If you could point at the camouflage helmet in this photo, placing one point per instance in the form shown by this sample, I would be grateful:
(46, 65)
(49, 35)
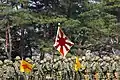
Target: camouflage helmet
(92, 59)
(10, 62)
(112, 61)
(108, 58)
(45, 60)
(87, 58)
(60, 57)
(83, 57)
(69, 59)
(6, 61)
(41, 61)
(104, 58)
(17, 58)
(116, 58)
(28, 60)
(97, 58)
(73, 58)
(100, 60)
(1, 63)
(80, 59)
(55, 60)
(66, 60)
(88, 52)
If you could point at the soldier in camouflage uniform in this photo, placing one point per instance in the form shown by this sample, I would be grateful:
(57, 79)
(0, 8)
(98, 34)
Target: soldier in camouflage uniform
(44, 69)
(95, 68)
(30, 75)
(68, 69)
(118, 60)
(48, 67)
(41, 70)
(109, 70)
(87, 68)
(36, 70)
(71, 67)
(104, 68)
(100, 72)
(10, 71)
(5, 77)
(115, 67)
(16, 64)
(83, 68)
(64, 73)
(1, 70)
(79, 72)
(60, 68)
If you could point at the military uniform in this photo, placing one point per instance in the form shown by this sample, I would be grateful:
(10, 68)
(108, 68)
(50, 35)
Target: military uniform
(5, 69)
(64, 73)
(16, 64)
(1, 70)
(10, 73)
(115, 67)
(84, 67)
(96, 69)
(37, 71)
(48, 67)
(88, 68)
(30, 75)
(100, 71)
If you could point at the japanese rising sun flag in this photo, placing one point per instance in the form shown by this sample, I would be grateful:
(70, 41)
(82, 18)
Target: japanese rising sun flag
(62, 43)
(25, 66)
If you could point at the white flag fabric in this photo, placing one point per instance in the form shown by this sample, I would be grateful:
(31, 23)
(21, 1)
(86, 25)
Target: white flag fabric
(62, 43)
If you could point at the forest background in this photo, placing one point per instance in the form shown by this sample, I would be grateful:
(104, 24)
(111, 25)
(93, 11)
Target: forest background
(29, 27)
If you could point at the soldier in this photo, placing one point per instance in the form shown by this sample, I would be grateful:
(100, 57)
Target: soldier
(100, 71)
(95, 68)
(35, 74)
(59, 68)
(78, 74)
(41, 70)
(16, 65)
(48, 66)
(65, 74)
(118, 69)
(1, 70)
(87, 68)
(5, 69)
(111, 69)
(37, 69)
(84, 67)
(71, 69)
(30, 75)
(44, 68)
(106, 68)
(10, 73)
(67, 69)
(104, 71)
(115, 67)
(72, 65)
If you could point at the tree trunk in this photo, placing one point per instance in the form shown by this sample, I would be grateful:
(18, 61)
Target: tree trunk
(6, 42)
(22, 42)
(10, 42)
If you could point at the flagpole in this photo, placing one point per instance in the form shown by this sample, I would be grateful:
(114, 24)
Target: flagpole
(52, 61)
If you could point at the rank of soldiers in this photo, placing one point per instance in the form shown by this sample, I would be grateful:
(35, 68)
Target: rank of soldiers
(94, 68)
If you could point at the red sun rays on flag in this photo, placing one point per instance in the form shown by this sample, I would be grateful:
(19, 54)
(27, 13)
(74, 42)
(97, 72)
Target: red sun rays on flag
(62, 43)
